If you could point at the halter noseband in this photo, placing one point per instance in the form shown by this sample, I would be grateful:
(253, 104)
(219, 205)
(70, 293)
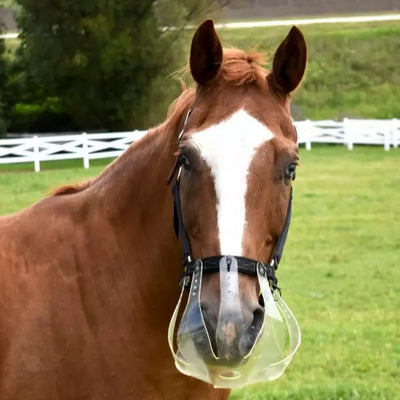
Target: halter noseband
(211, 264)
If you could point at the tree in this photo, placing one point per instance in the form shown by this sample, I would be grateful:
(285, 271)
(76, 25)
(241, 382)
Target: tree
(106, 60)
(3, 84)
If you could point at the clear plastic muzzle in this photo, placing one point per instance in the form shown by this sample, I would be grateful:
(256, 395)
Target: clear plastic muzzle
(270, 353)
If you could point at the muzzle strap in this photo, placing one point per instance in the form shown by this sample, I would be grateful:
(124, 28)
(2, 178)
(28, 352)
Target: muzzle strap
(244, 266)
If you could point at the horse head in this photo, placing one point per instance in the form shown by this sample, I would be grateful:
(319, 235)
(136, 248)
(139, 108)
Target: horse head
(237, 159)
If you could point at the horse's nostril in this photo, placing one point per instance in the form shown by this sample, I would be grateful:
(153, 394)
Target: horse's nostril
(258, 317)
(249, 337)
(256, 322)
(211, 326)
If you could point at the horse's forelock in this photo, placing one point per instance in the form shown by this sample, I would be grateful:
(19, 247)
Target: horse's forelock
(239, 67)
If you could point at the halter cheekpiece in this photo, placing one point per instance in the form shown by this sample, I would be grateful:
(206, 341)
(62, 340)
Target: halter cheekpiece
(211, 264)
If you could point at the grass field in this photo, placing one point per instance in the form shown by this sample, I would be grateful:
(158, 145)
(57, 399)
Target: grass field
(352, 69)
(340, 275)
(340, 272)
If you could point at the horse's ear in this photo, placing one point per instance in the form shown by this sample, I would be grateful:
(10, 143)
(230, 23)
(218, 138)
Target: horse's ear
(205, 53)
(289, 62)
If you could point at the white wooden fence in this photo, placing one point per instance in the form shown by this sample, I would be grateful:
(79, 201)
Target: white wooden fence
(103, 145)
(350, 132)
(65, 147)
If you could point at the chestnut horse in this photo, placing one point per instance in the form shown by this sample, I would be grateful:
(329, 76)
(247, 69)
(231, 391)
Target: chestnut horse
(89, 276)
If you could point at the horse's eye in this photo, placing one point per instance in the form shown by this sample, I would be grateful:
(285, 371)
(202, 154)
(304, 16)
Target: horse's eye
(184, 161)
(290, 172)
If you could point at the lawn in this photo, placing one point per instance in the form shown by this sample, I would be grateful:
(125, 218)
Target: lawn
(19, 186)
(339, 274)
(352, 68)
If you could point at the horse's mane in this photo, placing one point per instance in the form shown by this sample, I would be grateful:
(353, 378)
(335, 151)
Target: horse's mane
(238, 68)
(71, 189)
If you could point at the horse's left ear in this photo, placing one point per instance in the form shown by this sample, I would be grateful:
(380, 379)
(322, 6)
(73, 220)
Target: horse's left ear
(289, 62)
(205, 53)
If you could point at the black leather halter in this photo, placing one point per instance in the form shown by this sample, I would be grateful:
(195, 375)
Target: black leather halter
(211, 264)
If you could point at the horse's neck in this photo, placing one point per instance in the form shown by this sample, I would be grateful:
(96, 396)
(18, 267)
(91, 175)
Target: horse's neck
(139, 207)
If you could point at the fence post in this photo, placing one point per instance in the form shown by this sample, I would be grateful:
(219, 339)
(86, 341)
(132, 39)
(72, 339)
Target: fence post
(386, 143)
(395, 132)
(85, 150)
(347, 133)
(308, 130)
(36, 153)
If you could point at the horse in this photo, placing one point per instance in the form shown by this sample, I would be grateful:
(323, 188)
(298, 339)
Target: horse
(89, 275)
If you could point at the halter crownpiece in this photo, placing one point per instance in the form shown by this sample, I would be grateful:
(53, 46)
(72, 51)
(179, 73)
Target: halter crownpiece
(278, 337)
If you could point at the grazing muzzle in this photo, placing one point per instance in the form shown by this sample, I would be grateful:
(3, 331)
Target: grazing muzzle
(243, 346)
(233, 360)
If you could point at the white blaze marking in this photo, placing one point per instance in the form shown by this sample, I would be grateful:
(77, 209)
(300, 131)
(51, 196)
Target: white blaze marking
(228, 148)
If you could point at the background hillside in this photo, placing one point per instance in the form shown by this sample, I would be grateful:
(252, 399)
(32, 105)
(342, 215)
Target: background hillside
(352, 68)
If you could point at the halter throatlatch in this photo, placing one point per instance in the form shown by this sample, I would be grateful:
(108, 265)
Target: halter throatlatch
(262, 357)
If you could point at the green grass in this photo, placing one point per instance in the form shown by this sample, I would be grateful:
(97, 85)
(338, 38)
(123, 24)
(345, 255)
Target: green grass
(20, 186)
(339, 274)
(352, 69)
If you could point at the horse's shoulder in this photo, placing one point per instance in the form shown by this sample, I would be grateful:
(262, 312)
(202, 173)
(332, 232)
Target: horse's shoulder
(40, 225)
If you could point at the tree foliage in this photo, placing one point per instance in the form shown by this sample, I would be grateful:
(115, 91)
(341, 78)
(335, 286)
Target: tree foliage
(3, 84)
(106, 60)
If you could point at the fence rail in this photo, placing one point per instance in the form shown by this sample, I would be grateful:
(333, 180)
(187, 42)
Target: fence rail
(87, 147)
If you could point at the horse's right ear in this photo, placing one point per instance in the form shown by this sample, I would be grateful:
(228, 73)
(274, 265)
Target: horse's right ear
(205, 53)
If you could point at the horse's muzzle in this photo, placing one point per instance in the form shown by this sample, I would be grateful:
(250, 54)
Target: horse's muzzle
(232, 324)
(239, 345)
